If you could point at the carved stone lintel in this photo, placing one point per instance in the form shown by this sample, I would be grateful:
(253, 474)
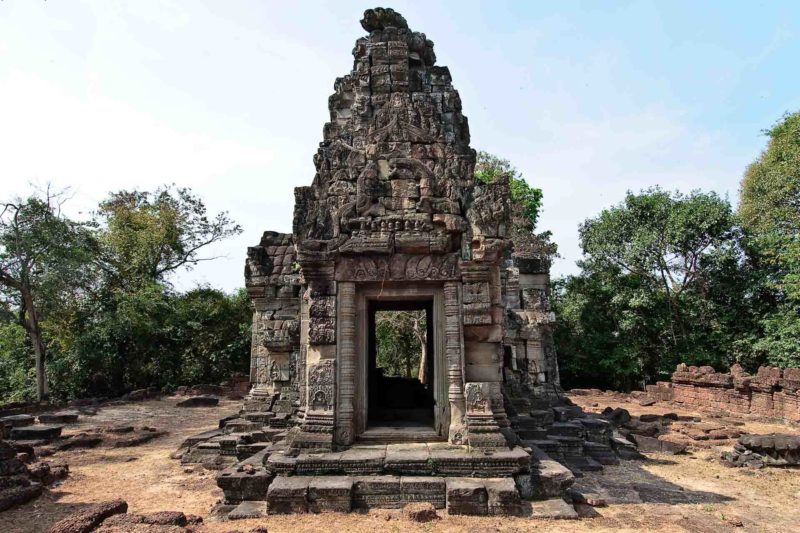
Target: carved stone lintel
(398, 267)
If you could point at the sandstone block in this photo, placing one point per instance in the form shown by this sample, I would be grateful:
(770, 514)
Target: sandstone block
(466, 496)
(88, 519)
(287, 495)
(330, 494)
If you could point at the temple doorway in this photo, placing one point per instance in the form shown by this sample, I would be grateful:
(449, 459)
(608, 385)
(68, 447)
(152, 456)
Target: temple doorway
(401, 359)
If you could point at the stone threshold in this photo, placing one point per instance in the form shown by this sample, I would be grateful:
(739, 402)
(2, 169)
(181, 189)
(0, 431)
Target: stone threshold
(418, 459)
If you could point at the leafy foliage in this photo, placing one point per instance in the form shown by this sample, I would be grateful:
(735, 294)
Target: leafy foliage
(150, 235)
(770, 214)
(400, 342)
(96, 298)
(661, 283)
(43, 256)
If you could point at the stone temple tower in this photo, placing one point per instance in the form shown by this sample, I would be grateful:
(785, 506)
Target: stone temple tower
(395, 219)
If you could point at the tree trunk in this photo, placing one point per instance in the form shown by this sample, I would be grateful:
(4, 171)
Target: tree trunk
(423, 367)
(35, 334)
(422, 337)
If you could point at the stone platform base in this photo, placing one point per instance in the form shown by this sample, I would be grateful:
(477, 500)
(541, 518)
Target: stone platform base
(459, 495)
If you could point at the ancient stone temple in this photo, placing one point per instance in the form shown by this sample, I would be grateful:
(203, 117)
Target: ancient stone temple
(394, 219)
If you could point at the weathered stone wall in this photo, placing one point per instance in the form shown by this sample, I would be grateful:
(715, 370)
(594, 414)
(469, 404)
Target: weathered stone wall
(772, 392)
(273, 284)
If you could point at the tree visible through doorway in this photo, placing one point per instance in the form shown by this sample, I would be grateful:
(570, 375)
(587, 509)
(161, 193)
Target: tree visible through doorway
(401, 343)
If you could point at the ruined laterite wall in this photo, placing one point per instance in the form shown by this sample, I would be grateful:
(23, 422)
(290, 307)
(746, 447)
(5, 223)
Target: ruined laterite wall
(772, 392)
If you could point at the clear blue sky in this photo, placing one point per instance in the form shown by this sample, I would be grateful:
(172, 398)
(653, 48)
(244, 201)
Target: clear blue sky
(587, 99)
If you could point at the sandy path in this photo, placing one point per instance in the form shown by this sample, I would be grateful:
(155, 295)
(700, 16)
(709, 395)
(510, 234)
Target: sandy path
(690, 492)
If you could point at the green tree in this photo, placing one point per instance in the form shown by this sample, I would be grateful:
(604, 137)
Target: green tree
(770, 212)
(661, 282)
(43, 256)
(401, 342)
(149, 235)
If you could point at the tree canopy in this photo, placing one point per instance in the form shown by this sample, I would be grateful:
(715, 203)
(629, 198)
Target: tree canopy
(92, 305)
(661, 283)
(770, 215)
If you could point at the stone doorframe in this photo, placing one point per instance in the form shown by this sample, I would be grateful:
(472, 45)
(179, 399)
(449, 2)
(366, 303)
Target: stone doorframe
(352, 352)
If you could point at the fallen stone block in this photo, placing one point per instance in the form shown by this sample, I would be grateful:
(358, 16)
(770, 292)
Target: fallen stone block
(45, 433)
(580, 496)
(47, 473)
(88, 519)
(18, 495)
(200, 437)
(10, 467)
(61, 417)
(199, 401)
(80, 441)
(163, 518)
(248, 509)
(586, 511)
(653, 445)
(141, 438)
(17, 421)
(618, 416)
(556, 509)
(7, 451)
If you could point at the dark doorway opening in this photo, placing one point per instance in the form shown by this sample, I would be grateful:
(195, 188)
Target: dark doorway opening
(401, 372)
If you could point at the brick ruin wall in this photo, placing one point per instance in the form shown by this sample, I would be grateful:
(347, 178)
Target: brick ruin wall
(773, 392)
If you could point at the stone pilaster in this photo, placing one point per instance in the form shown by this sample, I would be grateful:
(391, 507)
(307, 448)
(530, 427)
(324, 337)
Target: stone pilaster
(454, 351)
(346, 356)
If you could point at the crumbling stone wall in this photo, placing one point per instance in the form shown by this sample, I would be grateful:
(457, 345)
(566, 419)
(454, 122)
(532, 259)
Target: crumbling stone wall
(773, 392)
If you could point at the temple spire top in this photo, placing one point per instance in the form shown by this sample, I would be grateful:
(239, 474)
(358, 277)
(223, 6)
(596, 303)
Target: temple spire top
(381, 18)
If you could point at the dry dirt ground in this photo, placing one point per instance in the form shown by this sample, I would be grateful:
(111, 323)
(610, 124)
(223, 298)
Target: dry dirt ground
(692, 492)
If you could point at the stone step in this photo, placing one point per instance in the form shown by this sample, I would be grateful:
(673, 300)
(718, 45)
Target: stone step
(601, 453)
(542, 417)
(547, 479)
(566, 429)
(433, 459)
(459, 495)
(532, 434)
(550, 447)
(392, 435)
(200, 437)
(262, 418)
(570, 446)
(597, 430)
(241, 426)
(566, 413)
(579, 465)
